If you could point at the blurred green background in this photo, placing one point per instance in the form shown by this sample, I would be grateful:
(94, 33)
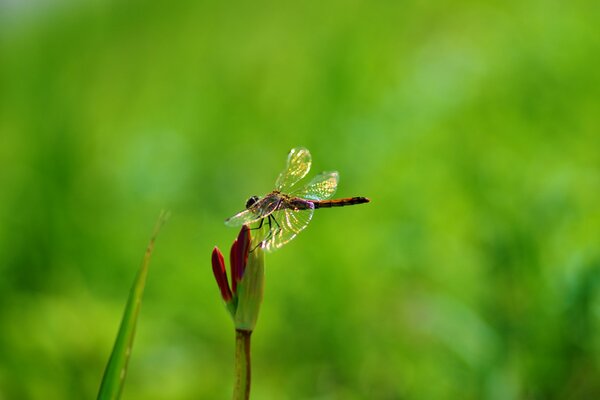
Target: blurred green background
(473, 127)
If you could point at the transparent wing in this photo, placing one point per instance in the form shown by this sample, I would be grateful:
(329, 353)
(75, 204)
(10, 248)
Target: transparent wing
(287, 224)
(321, 187)
(260, 209)
(241, 218)
(298, 165)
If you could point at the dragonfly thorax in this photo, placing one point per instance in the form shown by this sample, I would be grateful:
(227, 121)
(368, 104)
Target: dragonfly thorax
(251, 201)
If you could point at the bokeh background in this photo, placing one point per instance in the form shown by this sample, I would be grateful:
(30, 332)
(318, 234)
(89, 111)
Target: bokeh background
(472, 126)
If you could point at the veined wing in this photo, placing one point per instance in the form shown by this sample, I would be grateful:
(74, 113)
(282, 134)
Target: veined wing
(258, 210)
(298, 165)
(286, 226)
(321, 187)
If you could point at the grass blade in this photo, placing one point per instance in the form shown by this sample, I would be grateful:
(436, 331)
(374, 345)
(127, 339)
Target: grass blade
(116, 369)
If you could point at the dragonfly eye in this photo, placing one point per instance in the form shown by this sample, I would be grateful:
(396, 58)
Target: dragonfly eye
(251, 201)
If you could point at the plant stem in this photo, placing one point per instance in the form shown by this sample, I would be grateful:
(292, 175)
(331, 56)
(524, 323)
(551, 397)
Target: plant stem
(241, 389)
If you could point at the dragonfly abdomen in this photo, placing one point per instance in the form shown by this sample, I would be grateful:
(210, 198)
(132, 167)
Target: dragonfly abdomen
(349, 201)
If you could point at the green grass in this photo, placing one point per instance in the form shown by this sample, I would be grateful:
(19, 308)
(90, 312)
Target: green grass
(115, 373)
(473, 128)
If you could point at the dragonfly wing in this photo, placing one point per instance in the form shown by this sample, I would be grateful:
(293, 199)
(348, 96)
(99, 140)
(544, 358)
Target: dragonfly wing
(287, 225)
(259, 210)
(247, 216)
(321, 187)
(298, 165)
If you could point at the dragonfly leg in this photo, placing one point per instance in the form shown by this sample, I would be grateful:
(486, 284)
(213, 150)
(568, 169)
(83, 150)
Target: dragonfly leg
(255, 247)
(271, 233)
(274, 228)
(262, 221)
(278, 226)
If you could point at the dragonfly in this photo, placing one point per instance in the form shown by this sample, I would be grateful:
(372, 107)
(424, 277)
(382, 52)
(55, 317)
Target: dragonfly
(288, 209)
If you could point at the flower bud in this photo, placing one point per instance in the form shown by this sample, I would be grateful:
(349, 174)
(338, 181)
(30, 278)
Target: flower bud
(244, 298)
(250, 291)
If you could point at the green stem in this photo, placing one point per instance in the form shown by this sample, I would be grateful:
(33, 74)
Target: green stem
(241, 390)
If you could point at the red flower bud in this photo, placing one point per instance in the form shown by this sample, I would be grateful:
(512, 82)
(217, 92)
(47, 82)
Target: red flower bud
(218, 266)
(239, 256)
(244, 298)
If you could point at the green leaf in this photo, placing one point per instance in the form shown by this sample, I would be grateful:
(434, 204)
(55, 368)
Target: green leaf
(116, 369)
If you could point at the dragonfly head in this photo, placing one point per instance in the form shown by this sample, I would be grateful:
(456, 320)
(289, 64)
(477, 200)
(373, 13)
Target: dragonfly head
(251, 201)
